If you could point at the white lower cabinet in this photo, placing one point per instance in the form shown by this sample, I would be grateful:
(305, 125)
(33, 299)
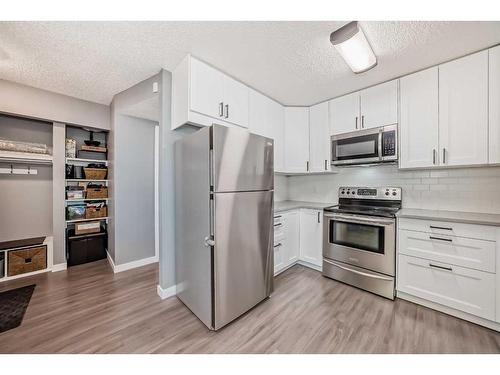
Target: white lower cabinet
(460, 288)
(291, 241)
(298, 236)
(311, 236)
(453, 265)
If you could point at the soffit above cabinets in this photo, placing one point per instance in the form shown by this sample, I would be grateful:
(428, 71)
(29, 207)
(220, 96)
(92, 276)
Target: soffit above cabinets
(292, 62)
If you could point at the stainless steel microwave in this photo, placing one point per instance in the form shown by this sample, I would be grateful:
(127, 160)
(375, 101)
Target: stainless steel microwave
(368, 146)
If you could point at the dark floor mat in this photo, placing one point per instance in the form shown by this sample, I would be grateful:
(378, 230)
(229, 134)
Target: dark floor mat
(13, 305)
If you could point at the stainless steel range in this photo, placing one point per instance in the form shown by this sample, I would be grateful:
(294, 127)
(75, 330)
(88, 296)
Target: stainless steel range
(359, 238)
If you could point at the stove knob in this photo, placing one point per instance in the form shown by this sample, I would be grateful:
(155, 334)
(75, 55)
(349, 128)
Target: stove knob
(394, 193)
(353, 192)
(342, 192)
(386, 193)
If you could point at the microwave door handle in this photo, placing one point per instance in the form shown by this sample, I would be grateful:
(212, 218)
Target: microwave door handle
(380, 145)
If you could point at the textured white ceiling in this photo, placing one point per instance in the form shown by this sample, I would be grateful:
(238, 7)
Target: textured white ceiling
(292, 62)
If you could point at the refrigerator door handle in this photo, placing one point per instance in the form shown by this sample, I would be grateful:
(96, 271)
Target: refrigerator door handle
(209, 241)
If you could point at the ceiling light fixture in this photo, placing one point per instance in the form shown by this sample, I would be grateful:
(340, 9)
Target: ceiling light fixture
(351, 43)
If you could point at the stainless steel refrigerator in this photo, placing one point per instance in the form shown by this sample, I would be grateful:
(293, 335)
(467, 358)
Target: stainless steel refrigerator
(224, 186)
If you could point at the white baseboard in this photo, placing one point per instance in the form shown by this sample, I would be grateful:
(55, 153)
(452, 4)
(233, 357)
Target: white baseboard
(166, 293)
(59, 267)
(130, 265)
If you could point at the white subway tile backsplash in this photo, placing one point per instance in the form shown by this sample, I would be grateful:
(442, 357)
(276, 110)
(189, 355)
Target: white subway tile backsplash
(464, 189)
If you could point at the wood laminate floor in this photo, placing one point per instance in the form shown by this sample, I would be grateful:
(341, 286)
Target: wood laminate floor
(88, 309)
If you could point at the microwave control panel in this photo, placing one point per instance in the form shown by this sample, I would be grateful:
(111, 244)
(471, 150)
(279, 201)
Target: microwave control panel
(389, 143)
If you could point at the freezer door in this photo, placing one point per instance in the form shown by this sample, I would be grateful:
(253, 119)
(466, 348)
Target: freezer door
(193, 258)
(242, 161)
(243, 252)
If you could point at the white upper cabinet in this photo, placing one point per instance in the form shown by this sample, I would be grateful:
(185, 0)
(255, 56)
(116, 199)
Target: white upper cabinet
(296, 139)
(235, 102)
(463, 110)
(207, 89)
(266, 117)
(311, 236)
(319, 138)
(379, 105)
(419, 119)
(365, 109)
(202, 95)
(344, 114)
(494, 106)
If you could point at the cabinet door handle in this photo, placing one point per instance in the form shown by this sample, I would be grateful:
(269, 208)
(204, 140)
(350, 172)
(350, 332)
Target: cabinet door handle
(277, 225)
(277, 245)
(221, 109)
(444, 155)
(434, 156)
(326, 164)
(318, 217)
(277, 217)
(441, 239)
(356, 122)
(307, 166)
(440, 267)
(363, 121)
(227, 111)
(443, 228)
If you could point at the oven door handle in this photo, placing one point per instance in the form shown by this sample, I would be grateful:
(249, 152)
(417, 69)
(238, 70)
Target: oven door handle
(360, 220)
(356, 271)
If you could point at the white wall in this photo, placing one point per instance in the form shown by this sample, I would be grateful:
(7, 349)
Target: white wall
(46, 105)
(464, 189)
(131, 228)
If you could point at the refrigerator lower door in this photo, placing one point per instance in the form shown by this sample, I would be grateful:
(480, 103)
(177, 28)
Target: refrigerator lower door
(242, 161)
(243, 252)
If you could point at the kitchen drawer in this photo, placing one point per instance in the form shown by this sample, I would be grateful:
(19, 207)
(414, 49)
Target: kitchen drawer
(460, 288)
(459, 251)
(481, 232)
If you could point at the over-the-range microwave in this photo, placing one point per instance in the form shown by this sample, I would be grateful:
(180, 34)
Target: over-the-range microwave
(368, 146)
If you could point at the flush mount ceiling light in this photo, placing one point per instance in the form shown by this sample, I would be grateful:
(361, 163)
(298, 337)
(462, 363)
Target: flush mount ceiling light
(351, 43)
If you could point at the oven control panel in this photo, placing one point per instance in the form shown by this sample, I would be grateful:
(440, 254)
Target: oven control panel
(387, 193)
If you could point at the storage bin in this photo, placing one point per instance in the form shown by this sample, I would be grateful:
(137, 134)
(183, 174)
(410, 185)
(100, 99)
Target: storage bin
(95, 173)
(87, 227)
(75, 212)
(92, 212)
(97, 192)
(26, 260)
(75, 194)
(86, 248)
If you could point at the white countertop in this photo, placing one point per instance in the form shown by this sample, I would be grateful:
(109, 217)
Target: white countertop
(453, 216)
(281, 206)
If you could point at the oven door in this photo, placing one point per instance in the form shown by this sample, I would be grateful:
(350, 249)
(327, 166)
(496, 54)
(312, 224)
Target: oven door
(363, 241)
(357, 148)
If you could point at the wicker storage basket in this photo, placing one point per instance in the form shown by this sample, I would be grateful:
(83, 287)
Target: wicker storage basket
(95, 173)
(26, 260)
(96, 212)
(87, 227)
(93, 193)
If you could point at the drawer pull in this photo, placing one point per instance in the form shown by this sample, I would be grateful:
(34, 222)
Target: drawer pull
(277, 225)
(278, 245)
(440, 267)
(277, 217)
(441, 239)
(443, 228)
